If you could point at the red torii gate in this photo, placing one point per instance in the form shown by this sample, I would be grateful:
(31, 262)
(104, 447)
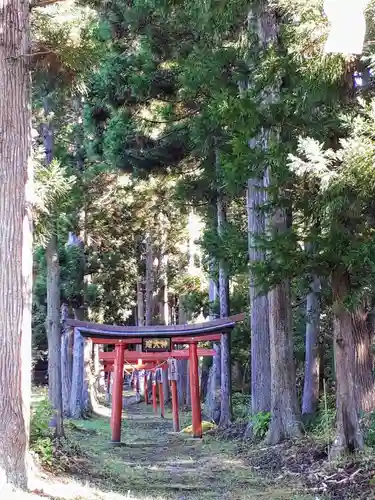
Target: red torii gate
(123, 336)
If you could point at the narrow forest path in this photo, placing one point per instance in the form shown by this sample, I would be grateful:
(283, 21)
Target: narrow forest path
(155, 464)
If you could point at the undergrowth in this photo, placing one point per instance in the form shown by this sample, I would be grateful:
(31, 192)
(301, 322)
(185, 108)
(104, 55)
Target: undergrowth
(62, 454)
(41, 437)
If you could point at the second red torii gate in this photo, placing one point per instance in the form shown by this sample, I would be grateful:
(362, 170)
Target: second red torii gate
(123, 336)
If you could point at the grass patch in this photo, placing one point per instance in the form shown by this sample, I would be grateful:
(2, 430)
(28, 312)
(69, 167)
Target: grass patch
(156, 465)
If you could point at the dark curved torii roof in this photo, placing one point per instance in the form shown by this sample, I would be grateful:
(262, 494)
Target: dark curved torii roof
(96, 330)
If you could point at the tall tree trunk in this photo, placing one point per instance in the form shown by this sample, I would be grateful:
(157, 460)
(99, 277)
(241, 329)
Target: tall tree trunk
(259, 322)
(348, 432)
(225, 347)
(285, 420)
(182, 364)
(140, 322)
(182, 370)
(285, 415)
(164, 316)
(77, 392)
(140, 303)
(364, 377)
(149, 281)
(15, 243)
(54, 334)
(312, 363)
(89, 394)
(98, 370)
(214, 379)
(66, 360)
(205, 374)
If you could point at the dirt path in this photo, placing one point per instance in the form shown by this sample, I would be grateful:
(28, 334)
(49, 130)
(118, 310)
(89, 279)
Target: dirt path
(155, 464)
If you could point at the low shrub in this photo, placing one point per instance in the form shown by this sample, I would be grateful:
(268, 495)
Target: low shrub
(261, 423)
(41, 438)
(241, 406)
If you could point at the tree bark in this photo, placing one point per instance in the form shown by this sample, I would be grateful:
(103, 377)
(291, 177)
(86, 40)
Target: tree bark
(259, 322)
(182, 370)
(98, 370)
(364, 377)
(285, 419)
(225, 347)
(15, 242)
(285, 416)
(348, 433)
(214, 378)
(149, 281)
(312, 363)
(76, 395)
(89, 394)
(66, 360)
(140, 303)
(182, 364)
(54, 334)
(205, 373)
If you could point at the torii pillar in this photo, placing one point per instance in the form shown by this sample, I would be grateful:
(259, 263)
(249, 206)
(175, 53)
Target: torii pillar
(118, 383)
(194, 391)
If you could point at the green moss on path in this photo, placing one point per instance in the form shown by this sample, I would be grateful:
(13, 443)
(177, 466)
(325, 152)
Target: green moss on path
(156, 464)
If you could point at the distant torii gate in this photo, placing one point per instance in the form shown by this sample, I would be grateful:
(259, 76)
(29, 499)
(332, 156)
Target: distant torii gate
(157, 345)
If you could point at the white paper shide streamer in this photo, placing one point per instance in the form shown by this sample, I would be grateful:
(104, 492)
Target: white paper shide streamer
(347, 26)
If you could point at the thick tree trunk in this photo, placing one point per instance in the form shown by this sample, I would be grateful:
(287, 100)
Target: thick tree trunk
(225, 347)
(285, 415)
(54, 334)
(285, 418)
(15, 243)
(214, 378)
(164, 304)
(76, 395)
(164, 317)
(182, 370)
(140, 303)
(259, 322)
(149, 281)
(98, 370)
(205, 373)
(66, 360)
(182, 364)
(348, 432)
(89, 395)
(364, 377)
(312, 363)
(165, 386)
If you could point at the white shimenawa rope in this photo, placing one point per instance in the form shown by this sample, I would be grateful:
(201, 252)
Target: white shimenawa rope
(347, 26)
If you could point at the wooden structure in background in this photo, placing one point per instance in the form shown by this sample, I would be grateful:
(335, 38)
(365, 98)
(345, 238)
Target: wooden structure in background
(158, 346)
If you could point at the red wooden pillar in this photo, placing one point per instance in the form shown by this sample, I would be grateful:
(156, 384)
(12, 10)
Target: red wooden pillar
(117, 393)
(176, 421)
(146, 388)
(194, 391)
(161, 398)
(154, 401)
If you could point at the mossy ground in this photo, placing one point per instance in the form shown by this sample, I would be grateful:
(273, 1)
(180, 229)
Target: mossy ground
(155, 464)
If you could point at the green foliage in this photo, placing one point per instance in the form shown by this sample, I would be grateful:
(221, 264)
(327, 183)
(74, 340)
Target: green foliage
(370, 429)
(41, 441)
(240, 406)
(260, 423)
(323, 424)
